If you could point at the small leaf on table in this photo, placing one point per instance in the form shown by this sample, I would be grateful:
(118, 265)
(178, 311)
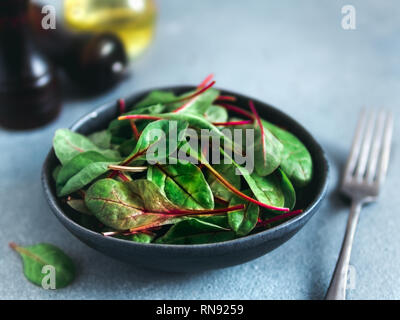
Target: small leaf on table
(36, 257)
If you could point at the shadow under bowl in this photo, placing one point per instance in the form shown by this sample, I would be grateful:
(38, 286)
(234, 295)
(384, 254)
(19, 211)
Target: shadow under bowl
(193, 258)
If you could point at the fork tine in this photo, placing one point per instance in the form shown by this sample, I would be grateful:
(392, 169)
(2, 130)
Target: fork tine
(385, 155)
(356, 146)
(376, 147)
(366, 146)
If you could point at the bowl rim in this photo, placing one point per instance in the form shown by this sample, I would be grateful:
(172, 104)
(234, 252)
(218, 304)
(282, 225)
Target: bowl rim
(256, 237)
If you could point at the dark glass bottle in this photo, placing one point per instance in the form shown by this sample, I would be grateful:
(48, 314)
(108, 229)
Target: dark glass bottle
(93, 61)
(29, 89)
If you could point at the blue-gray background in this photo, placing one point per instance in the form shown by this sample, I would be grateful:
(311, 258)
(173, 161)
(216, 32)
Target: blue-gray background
(292, 54)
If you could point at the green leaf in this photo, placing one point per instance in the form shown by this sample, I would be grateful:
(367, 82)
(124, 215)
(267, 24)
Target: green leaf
(296, 159)
(126, 148)
(156, 97)
(129, 205)
(102, 139)
(201, 103)
(79, 205)
(148, 139)
(121, 130)
(216, 114)
(80, 171)
(267, 189)
(268, 158)
(183, 184)
(197, 231)
(68, 144)
(228, 171)
(243, 221)
(138, 237)
(38, 256)
(78, 163)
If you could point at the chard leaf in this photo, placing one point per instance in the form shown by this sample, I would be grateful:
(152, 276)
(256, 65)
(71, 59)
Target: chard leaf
(138, 237)
(268, 190)
(129, 205)
(79, 205)
(216, 114)
(267, 152)
(156, 97)
(78, 163)
(148, 139)
(38, 256)
(201, 103)
(243, 221)
(102, 139)
(85, 176)
(197, 231)
(121, 129)
(183, 184)
(68, 144)
(228, 171)
(296, 159)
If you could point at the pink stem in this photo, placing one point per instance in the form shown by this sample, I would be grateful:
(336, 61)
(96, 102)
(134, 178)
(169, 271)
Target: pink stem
(233, 123)
(264, 223)
(122, 106)
(251, 104)
(192, 97)
(236, 109)
(206, 81)
(226, 98)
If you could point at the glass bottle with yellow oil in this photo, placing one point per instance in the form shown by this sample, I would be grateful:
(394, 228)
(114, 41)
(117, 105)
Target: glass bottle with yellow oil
(132, 20)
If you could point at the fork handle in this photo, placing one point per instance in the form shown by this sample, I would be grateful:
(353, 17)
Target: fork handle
(337, 288)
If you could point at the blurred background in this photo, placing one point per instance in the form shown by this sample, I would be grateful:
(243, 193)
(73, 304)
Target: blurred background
(295, 55)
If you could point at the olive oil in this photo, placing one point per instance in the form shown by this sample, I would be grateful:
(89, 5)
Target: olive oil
(132, 20)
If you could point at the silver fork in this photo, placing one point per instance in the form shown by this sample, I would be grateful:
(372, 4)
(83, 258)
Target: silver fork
(362, 179)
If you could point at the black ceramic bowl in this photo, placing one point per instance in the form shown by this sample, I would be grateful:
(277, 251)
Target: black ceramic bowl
(189, 258)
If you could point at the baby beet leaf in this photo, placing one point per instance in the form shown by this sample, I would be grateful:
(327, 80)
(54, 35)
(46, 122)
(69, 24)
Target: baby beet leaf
(228, 171)
(216, 114)
(243, 221)
(102, 139)
(267, 148)
(148, 139)
(183, 184)
(36, 258)
(123, 130)
(296, 159)
(79, 205)
(85, 176)
(135, 205)
(196, 231)
(138, 237)
(156, 97)
(68, 144)
(200, 104)
(78, 163)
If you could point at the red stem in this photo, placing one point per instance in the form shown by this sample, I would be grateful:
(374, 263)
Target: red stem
(123, 176)
(237, 109)
(206, 81)
(241, 194)
(226, 98)
(233, 123)
(192, 97)
(135, 129)
(264, 223)
(251, 104)
(122, 106)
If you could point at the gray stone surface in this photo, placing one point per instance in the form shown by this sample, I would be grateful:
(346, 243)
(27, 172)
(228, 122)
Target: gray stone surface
(292, 54)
